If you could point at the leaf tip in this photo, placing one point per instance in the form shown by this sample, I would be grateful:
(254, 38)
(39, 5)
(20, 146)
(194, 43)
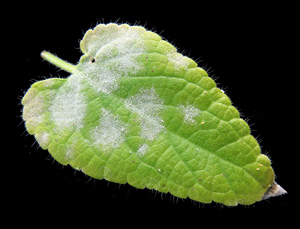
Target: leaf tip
(274, 190)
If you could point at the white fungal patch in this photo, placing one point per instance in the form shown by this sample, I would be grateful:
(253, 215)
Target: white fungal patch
(142, 150)
(110, 133)
(35, 105)
(104, 35)
(148, 106)
(120, 47)
(48, 83)
(69, 105)
(178, 60)
(34, 109)
(101, 78)
(190, 113)
(70, 153)
(43, 139)
(115, 58)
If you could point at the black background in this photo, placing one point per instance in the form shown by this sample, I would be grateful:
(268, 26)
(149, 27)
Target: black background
(248, 49)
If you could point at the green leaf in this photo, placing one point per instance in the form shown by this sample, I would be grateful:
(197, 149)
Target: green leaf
(136, 111)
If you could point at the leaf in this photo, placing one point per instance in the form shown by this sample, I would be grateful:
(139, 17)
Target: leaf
(136, 111)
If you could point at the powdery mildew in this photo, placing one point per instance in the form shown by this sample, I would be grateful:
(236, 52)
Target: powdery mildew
(142, 150)
(70, 153)
(104, 35)
(116, 57)
(110, 132)
(147, 105)
(43, 138)
(34, 110)
(178, 60)
(69, 105)
(101, 78)
(190, 113)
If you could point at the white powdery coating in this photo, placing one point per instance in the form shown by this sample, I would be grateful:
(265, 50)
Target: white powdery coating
(178, 60)
(116, 58)
(102, 79)
(142, 150)
(110, 133)
(147, 105)
(190, 113)
(105, 35)
(48, 83)
(70, 153)
(43, 139)
(34, 109)
(35, 106)
(69, 106)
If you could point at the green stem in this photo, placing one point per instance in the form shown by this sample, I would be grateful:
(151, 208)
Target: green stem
(58, 62)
